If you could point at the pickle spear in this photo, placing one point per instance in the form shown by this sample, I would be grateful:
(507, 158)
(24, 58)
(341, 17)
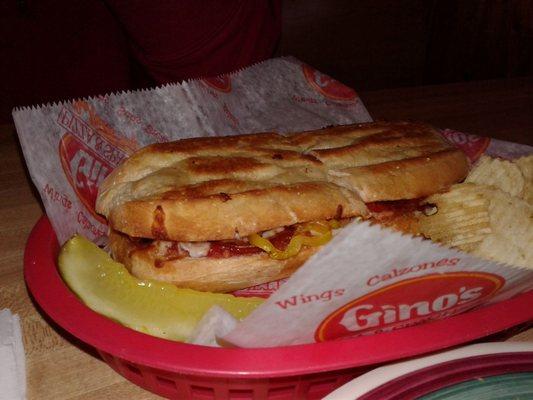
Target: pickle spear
(156, 308)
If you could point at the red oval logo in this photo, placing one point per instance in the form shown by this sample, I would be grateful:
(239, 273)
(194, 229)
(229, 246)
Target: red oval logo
(93, 120)
(327, 86)
(222, 83)
(84, 169)
(409, 302)
(473, 146)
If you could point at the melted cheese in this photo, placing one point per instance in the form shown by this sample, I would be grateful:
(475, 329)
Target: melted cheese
(195, 249)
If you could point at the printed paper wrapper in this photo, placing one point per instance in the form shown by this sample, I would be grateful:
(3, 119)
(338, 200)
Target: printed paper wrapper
(365, 281)
(369, 280)
(71, 147)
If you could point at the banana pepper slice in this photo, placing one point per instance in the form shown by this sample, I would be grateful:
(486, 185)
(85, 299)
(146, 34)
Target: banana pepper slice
(320, 234)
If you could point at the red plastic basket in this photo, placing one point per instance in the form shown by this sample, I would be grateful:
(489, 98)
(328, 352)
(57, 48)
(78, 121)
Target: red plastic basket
(183, 371)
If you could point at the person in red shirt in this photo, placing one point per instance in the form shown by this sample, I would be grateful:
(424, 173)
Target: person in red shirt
(182, 39)
(53, 50)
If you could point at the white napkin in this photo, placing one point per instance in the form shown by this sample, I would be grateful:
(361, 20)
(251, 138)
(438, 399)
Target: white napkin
(12, 360)
(216, 323)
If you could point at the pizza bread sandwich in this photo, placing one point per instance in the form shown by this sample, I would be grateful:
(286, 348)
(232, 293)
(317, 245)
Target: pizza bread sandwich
(224, 213)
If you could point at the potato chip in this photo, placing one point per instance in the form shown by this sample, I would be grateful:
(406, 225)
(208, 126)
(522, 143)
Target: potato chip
(483, 220)
(502, 174)
(525, 164)
(511, 222)
(462, 219)
(497, 248)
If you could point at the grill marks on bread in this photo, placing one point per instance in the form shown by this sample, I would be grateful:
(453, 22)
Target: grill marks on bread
(222, 165)
(389, 145)
(266, 180)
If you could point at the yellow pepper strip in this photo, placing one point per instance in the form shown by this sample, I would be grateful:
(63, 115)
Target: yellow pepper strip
(320, 235)
(335, 224)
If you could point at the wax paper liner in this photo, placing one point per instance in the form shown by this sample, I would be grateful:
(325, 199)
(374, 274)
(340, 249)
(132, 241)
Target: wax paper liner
(370, 279)
(70, 147)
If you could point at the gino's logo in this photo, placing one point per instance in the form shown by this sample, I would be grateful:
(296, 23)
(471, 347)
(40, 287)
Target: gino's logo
(409, 302)
(84, 169)
(88, 154)
(326, 86)
(222, 83)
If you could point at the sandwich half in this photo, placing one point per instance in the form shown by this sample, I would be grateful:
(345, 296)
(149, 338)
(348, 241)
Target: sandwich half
(225, 213)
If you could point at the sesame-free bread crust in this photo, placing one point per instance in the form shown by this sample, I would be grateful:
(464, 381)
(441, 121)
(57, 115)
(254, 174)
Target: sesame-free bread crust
(220, 188)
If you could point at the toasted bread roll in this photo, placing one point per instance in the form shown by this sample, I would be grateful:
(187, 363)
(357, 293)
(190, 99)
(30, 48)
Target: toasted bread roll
(227, 187)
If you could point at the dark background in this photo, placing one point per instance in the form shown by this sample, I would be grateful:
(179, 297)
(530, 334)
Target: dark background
(53, 50)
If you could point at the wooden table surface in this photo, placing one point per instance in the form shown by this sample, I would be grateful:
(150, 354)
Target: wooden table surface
(58, 368)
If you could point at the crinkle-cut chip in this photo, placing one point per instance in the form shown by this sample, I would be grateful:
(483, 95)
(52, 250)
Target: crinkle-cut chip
(502, 174)
(485, 221)
(525, 164)
(462, 219)
(499, 248)
(511, 239)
